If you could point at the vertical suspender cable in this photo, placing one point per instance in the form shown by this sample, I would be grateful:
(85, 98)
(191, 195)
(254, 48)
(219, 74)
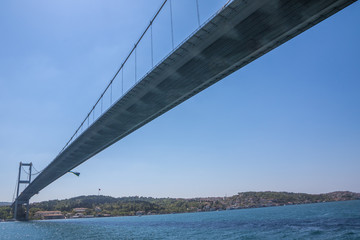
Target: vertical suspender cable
(122, 81)
(152, 47)
(111, 94)
(135, 63)
(172, 27)
(198, 11)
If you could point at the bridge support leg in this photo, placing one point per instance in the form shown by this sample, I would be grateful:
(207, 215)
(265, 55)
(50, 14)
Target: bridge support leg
(21, 213)
(15, 210)
(27, 211)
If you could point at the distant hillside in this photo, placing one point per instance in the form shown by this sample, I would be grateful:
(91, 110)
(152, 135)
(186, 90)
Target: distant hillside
(5, 204)
(129, 206)
(265, 199)
(132, 205)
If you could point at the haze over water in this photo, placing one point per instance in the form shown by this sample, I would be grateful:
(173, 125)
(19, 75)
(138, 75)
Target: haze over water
(335, 220)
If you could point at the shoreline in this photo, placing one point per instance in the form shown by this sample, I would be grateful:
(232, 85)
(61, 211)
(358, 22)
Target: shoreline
(162, 214)
(96, 206)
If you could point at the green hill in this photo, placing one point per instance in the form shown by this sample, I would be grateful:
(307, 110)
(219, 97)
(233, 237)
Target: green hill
(129, 206)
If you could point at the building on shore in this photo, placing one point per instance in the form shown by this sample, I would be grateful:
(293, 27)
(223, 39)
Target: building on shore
(79, 210)
(49, 215)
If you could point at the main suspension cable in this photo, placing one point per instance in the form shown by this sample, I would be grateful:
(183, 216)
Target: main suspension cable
(16, 184)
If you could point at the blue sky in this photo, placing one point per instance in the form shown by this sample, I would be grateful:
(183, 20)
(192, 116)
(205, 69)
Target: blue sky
(289, 121)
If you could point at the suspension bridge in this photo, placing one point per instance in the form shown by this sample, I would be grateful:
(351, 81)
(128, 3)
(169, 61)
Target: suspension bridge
(237, 34)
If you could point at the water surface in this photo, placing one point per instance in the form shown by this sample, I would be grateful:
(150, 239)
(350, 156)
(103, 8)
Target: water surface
(336, 220)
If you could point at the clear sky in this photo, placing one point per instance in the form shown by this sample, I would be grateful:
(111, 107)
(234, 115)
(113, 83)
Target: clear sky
(290, 121)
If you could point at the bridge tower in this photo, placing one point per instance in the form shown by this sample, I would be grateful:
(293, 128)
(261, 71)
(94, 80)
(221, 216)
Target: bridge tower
(18, 205)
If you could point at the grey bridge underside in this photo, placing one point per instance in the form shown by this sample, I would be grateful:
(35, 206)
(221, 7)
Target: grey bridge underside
(239, 34)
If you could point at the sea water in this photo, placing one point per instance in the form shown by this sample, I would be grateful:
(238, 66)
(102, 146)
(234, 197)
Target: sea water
(335, 220)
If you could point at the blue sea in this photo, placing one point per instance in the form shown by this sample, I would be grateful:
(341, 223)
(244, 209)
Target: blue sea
(336, 220)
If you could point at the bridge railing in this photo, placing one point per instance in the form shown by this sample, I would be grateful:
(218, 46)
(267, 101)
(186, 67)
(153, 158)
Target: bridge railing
(173, 23)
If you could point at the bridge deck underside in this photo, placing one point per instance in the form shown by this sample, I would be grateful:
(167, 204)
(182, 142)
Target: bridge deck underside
(237, 35)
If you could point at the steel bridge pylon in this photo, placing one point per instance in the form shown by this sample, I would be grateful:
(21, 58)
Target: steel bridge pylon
(18, 205)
